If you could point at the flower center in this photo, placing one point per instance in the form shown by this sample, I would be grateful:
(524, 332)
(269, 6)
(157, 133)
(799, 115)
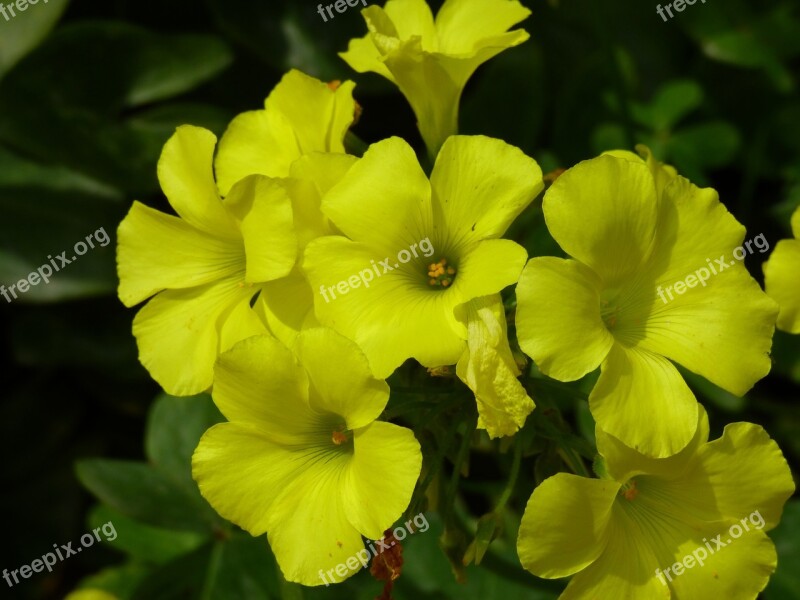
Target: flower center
(629, 491)
(440, 274)
(341, 436)
(609, 310)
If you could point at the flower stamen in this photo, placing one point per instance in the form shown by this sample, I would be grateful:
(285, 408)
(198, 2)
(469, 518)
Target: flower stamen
(440, 274)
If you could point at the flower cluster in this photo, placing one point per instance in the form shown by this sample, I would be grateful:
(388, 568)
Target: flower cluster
(279, 208)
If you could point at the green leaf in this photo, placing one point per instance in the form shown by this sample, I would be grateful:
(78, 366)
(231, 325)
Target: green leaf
(25, 30)
(673, 102)
(58, 114)
(174, 428)
(144, 543)
(785, 583)
(141, 492)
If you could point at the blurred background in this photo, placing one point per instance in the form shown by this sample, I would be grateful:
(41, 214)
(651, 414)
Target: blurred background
(90, 91)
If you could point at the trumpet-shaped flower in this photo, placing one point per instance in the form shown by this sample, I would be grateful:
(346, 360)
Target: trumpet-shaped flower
(651, 280)
(302, 115)
(194, 264)
(689, 527)
(302, 457)
(782, 278)
(432, 60)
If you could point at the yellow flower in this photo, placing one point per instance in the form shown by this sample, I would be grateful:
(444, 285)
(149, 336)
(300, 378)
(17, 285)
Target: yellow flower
(431, 61)
(417, 248)
(302, 457)
(488, 368)
(651, 280)
(302, 115)
(195, 263)
(782, 278)
(622, 536)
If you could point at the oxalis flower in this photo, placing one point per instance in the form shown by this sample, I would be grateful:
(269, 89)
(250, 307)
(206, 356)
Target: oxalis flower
(782, 278)
(432, 60)
(418, 249)
(624, 535)
(302, 115)
(302, 457)
(651, 280)
(195, 263)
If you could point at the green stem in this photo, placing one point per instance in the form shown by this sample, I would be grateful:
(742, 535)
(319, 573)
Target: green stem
(512, 477)
(452, 486)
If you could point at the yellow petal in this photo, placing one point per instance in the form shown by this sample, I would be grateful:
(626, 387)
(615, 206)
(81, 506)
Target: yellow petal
(267, 223)
(195, 257)
(391, 317)
(642, 400)
(385, 467)
(565, 525)
(255, 142)
(488, 368)
(782, 281)
(274, 401)
(603, 213)
(186, 175)
(368, 205)
(178, 333)
(470, 171)
(319, 115)
(336, 384)
(720, 328)
(464, 25)
(623, 462)
(558, 318)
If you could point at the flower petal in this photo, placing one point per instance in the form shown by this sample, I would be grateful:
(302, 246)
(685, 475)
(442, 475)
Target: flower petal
(286, 305)
(384, 200)
(186, 175)
(728, 317)
(410, 18)
(289, 493)
(488, 368)
(487, 268)
(642, 400)
(341, 379)
(781, 281)
(393, 317)
(603, 213)
(565, 525)
(313, 508)
(385, 467)
(320, 114)
(558, 318)
(274, 401)
(741, 472)
(178, 333)
(267, 222)
(258, 142)
(480, 185)
(195, 258)
(464, 25)
(622, 462)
